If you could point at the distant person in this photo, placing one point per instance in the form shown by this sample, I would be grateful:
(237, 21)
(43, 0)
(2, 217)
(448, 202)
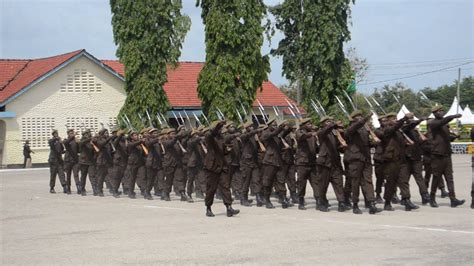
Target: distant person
(27, 154)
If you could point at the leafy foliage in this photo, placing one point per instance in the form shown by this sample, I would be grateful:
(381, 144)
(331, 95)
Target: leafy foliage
(312, 49)
(234, 67)
(149, 35)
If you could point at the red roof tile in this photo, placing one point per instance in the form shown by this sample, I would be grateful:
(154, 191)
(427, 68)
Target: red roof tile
(17, 74)
(181, 87)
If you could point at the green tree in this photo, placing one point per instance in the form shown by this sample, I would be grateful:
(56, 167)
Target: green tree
(149, 35)
(444, 94)
(312, 47)
(234, 67)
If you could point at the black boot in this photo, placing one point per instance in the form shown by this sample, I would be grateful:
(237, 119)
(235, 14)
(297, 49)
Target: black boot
(402, 202)
(51, 190)
(209, 212)
(294, 197)
(395, 199)
(166, 196)
(148, 196)
(379, 199)
(268, 203)
(190, 198)
(116, 194)
(388, 206)
(65, 189)
(100, 193)
(282, 200)
(126, 191)
(244, 200)
(366, 204)
(425, 198)
(347, 198)
(433, 203)
(472, 203)
(260, 199)
(373, 209)
(455, 202)
(230, 211)
(323, 206)
(341, 207)
(78, 187)
(157, 193)
(301, 203)
(183, 196)
(132, 195)
(199, 195)
(444, 193)
(355, 209)
(95, 191)
(410, 206)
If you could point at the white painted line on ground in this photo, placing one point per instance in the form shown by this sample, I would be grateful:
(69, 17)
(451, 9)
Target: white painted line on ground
(406, 227)
(171, 208)
(22, 170)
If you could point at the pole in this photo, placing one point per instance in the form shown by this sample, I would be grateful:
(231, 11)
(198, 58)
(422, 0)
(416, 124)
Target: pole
(458, 90)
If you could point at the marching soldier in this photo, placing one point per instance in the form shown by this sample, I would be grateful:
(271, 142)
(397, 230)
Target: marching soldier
(305, 161)
(393, 145)
(194, 162)
(153, 160)
(249, 164)
(103, 159)
(287, 170)
(426, 148)
(272, 161)
(329, 165)
(214, 164)
(441, 163)
(358, 160)
(71, 160)
(120, 158)
(87, 162)
(413, 156)
(56, 163)
(135, 161)
(172, 163)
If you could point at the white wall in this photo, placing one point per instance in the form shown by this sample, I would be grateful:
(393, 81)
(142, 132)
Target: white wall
(45, 100)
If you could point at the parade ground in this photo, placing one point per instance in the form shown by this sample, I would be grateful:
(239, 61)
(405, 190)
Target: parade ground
(42, 228)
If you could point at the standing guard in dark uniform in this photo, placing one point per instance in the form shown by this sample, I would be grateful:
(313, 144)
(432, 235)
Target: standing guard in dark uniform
(87, 162)
(56, 163)
(272, 162)
(441, 162)
(104, 158)
(27, 154)
(413, 155)
(71, 160)
(214, 165)
(358, 158)
(329, 165)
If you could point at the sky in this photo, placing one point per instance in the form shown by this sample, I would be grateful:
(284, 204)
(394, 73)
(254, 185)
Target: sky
(420, 43)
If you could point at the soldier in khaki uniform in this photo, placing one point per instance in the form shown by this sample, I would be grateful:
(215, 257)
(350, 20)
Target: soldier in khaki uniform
(358, 158)
(441, 162)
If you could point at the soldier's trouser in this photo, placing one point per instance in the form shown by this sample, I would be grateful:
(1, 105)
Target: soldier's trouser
(131, 172)
(331, 176)
(141, 178)
(428, 174)
(118, 173)
(214, 181)
(442, 165)
(87, 170)
(56, 169)
(192, 179)
(159, 184)
(151, 174)
(176, 182)
(270, 179)
(235, 178)
(283, 176)
(379, 176)
(415, 168)
(306, 173)
(347, 180)
(361, 176)
(291, 178)
(393, 172)
(72, 168)
(201, 181)
(101, 173)
(250, 176)
(174, 175)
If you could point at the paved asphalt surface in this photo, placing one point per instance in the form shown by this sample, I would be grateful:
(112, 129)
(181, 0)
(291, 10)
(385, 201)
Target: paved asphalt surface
(42, 228)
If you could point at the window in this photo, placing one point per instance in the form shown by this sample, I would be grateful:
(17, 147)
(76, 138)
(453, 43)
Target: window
(81, 82)
(79, 124)
(37, 130)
